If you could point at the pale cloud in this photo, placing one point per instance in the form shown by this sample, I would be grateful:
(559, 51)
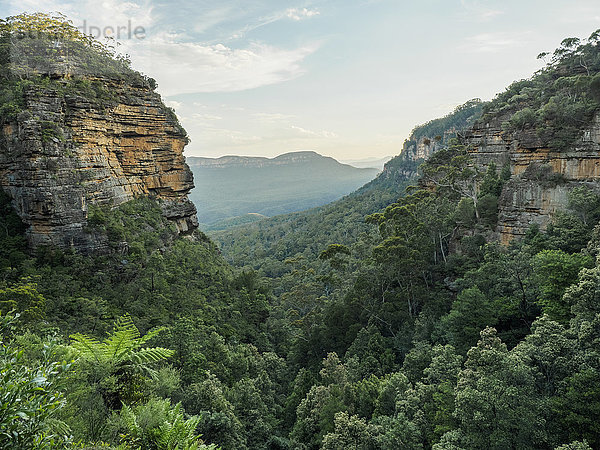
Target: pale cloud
(241, 139)
(173, 104)
(219, 130)
(107, 13)
(261, 22)
(272, 117)
(189, 67)
(178, 63)
(296, 14)
(227, 137)
(210, 117)
(212, 17)
(316, 134)
(494, 42)
(580, 14)
(301, 13)
(18, 6)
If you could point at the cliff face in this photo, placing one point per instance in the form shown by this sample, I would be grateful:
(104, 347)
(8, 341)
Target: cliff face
(66, 150)
(541, 178)
(428, 138)
(423, 148)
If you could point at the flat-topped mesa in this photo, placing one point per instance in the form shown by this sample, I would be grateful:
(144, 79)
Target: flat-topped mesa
(93, 141)
(541, 177)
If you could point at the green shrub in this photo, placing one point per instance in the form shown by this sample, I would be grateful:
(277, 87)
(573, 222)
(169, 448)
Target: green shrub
(29, 398)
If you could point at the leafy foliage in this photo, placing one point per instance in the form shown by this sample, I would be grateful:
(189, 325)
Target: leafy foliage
(32, 44)
(445, 128)
(559, 101)
(158, 425)
(122, 347)
(30, 400)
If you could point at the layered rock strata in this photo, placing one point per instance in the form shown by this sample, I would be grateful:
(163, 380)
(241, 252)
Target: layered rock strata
(67, 150)
(541, 177)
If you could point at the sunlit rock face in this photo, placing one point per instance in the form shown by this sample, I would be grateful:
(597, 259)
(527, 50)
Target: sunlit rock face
(541, 177)
(69, 149)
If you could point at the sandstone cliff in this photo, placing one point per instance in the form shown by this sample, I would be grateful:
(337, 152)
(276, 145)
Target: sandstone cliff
(428, 138)
(541, 177)
(68, 149)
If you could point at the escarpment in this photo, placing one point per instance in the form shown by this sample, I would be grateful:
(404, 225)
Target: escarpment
(541, 177)
(546, 130)
(81, 130)
(92, 141)
(430, 137)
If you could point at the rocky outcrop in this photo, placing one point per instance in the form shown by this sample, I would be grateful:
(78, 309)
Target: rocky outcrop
(541, 178)
(68, 148)
(423, 148)
(430, 137)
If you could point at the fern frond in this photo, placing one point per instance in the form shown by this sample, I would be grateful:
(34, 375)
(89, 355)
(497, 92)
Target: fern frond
(124, 322)
(151, 334)
(87, 346)
(129, 419)
(58, 427)
(178, 433)
(192, 424)
(151, 355)
(124, 339)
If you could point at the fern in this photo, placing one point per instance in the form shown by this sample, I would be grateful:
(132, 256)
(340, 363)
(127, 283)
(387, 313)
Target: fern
(130, 422)
(169, 429)
(124, 339)
(151, 355)
(86, 346)
(122, 358)
(122, 347)
(151, 334)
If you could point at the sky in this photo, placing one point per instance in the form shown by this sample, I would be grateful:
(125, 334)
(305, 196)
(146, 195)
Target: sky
(345, 78)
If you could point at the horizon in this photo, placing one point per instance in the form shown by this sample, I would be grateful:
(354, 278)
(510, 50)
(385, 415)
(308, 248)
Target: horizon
(349, 80)
(345, 161)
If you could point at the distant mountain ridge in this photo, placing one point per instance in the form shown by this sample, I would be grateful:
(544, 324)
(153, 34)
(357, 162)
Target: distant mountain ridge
(231, 187)
(301, 157)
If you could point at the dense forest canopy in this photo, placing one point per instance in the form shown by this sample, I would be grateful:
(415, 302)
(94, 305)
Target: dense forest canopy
(386, 320)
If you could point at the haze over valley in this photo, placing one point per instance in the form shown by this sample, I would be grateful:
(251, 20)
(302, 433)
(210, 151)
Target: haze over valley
(236, 189)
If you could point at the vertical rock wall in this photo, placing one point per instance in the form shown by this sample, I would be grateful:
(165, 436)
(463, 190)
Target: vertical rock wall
(541, 178)
(66, 151)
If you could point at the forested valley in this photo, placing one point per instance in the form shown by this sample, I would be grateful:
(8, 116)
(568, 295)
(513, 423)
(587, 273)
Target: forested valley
(390, 319)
